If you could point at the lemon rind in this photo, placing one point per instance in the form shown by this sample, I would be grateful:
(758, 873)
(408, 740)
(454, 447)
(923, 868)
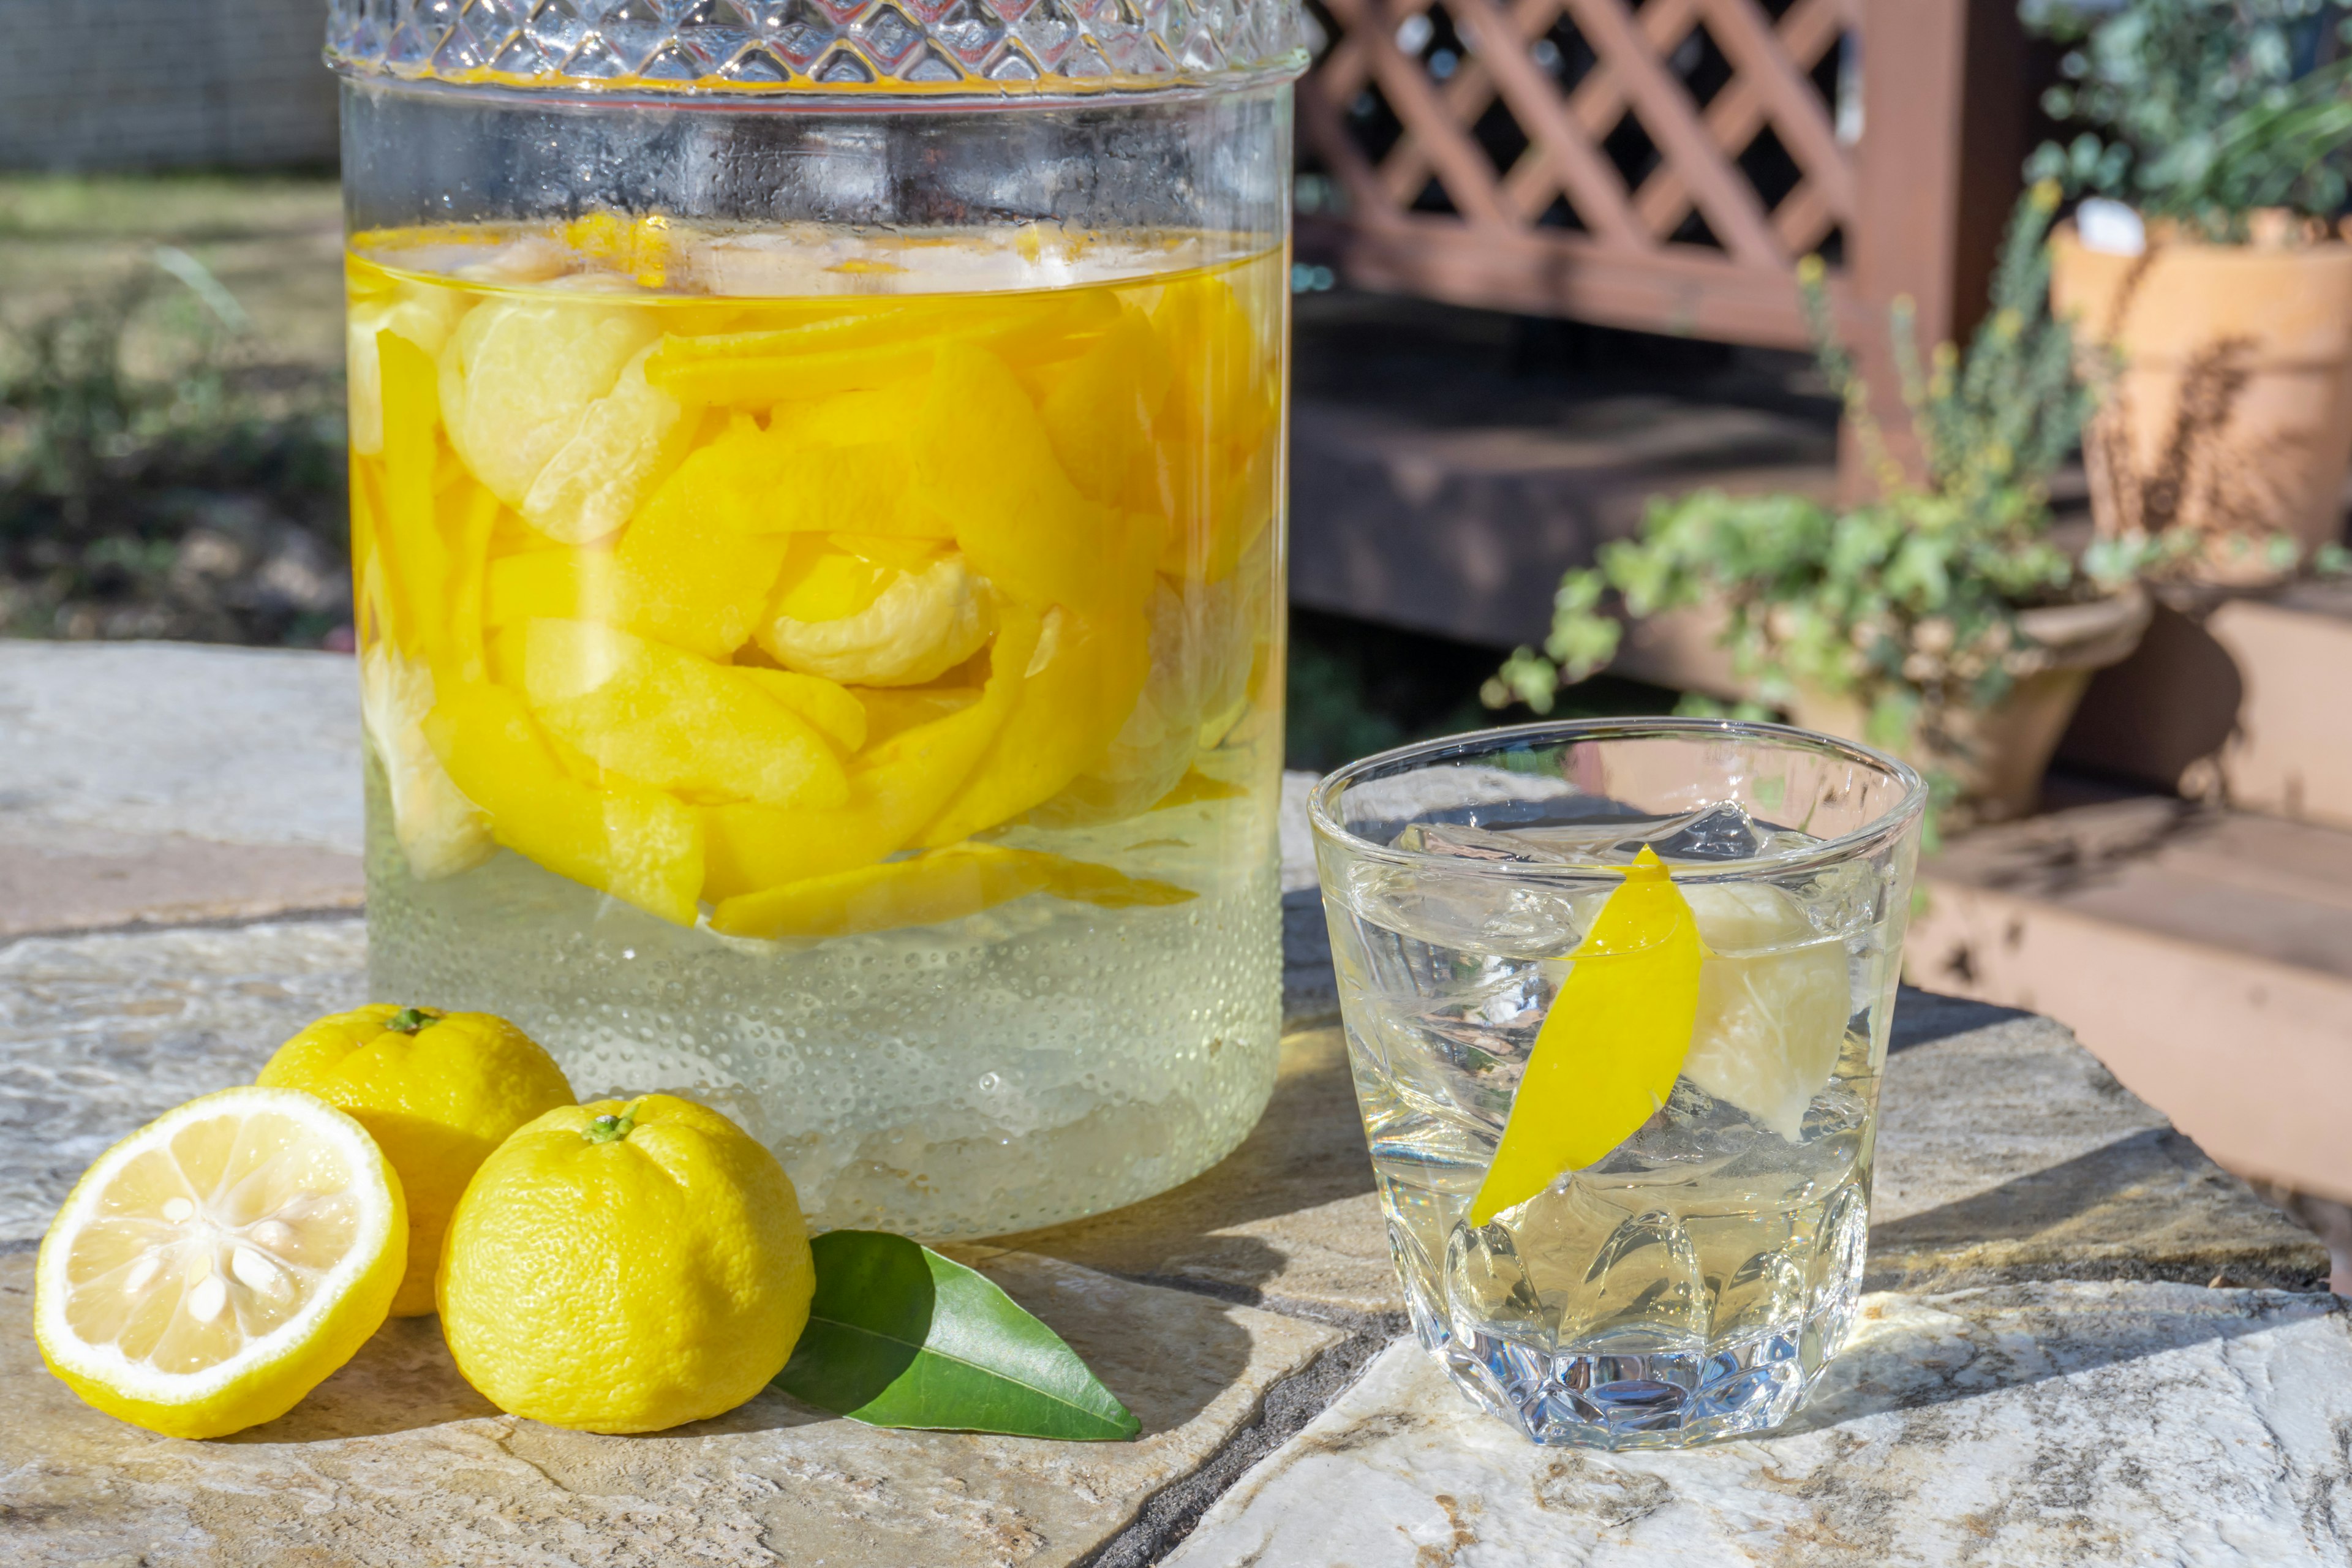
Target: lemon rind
(133, 1385)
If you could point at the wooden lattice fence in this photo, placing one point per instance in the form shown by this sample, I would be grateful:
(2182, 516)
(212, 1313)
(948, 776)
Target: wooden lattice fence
(1663, 165)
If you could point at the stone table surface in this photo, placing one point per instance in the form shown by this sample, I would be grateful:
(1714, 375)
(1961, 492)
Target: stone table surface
(2085, 1343)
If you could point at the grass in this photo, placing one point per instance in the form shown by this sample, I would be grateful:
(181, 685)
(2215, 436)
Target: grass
(274, 242)
(171, 428)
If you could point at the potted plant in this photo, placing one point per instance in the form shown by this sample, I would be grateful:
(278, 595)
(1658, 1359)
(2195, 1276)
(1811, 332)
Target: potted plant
(2205, 275)
(1939, 621)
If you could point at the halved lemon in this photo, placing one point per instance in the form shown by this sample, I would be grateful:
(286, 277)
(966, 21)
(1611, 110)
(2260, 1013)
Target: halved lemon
(216, 1265)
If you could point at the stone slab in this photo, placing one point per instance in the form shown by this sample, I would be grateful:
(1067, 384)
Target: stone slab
(2008, 1156)
(100, 1035)
(2006, 1152)
(395, 1460)
(156, 784)
(65, 876)
(2042, 1425)
(237, 745)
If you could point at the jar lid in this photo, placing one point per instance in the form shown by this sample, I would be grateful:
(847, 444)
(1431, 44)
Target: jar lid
(708, 48)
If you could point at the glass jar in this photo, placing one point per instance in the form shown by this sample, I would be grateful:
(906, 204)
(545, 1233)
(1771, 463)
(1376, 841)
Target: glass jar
(817, 480)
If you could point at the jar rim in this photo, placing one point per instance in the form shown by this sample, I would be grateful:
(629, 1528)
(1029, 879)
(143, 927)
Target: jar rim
(846, 53)
(1899, 817)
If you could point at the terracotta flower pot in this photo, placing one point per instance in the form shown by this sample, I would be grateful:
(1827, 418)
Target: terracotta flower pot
(2231, 411)
(1999, 754)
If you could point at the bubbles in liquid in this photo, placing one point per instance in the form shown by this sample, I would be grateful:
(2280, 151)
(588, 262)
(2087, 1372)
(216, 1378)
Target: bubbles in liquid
(1013, 1069)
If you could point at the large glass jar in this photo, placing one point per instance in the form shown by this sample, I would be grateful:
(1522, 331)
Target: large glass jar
(817, 518)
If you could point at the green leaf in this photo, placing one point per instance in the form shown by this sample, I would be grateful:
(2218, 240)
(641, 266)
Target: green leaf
(899, 1336)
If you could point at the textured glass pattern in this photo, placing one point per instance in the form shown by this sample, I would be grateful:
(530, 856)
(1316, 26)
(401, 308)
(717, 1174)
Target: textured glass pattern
(1672, 1264)
(751, 46)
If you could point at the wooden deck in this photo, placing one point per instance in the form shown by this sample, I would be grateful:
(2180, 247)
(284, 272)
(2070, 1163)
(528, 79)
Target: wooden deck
(1666, 164)
(1447, 464)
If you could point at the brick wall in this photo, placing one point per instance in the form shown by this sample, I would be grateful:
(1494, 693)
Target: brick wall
(116, 84)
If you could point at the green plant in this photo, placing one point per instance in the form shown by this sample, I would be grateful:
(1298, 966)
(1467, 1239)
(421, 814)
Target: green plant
(2202, 111)
(1907, 604)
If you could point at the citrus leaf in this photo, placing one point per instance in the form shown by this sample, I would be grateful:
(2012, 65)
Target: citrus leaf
(899, 1336)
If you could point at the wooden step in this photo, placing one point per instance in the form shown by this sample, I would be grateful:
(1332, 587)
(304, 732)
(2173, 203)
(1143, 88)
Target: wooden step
(1447, 464)
(2204, 953)
(2241, 701)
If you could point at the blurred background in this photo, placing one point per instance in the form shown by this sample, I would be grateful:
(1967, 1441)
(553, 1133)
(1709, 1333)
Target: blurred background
(1973, 381)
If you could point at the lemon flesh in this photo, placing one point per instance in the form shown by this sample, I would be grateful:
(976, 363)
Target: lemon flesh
(1612, 1045)
(625, 1268)
(216, 1265)
(868, 624)
(437, 1095)
(1773, 1001)
(518, 380)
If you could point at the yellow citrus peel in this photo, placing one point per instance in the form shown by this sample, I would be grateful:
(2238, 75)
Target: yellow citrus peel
(1609, 1050)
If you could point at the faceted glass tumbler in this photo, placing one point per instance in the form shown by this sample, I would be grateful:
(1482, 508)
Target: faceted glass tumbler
(817, 527)
(1682, 1256)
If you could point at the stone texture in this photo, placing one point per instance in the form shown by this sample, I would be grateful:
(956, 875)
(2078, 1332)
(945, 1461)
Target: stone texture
(100, 1035)
(66, 877)
(158, 784)
(237, 745)
(395, 1462)
(2047, 1423)
(2007, 1153)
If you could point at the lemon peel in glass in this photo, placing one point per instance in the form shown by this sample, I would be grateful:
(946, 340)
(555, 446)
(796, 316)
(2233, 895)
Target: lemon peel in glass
(1610, 1049)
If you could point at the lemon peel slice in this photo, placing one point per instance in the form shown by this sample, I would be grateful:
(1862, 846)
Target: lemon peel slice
(441, 833)
(423, 317)
(1612, 1045)
(932, 890)
(216, 1265)
(626, 439)
(921, 625)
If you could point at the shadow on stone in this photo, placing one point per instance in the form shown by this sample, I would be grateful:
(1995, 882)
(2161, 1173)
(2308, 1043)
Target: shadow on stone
(770, 1410)
(1923, 1018)
(1167, 1386)
(400, 1380)
(2136, 1209)
(1913, 1354)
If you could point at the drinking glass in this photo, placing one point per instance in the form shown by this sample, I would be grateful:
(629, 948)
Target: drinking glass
(1617, 996)
(817, 516)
